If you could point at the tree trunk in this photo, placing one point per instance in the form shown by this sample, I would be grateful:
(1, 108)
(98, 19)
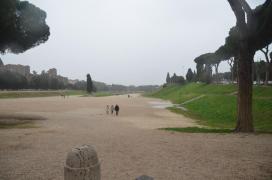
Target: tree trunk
(267, 69)
(235, 69)
(258, 77)
(266, 51)
(231, 62)
(244, 101)
(216, 72)
(232, 76)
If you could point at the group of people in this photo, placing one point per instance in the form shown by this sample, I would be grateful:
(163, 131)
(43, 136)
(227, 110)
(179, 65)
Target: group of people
(113, 109)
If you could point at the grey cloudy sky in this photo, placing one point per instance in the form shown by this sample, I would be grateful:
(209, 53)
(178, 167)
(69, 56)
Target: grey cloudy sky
(128, 41)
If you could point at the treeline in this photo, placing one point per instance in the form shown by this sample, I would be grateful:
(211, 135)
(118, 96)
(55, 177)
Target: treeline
(174, 79)
(13, 80)
(100, 86)
(207, 73)
(9, 80)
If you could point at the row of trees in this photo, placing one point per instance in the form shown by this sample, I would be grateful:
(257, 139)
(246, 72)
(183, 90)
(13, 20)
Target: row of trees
(174, 79)
(260, 73)
(253, 32)
(93, 86)
(9, 80)
(15, 81)
(12, 80)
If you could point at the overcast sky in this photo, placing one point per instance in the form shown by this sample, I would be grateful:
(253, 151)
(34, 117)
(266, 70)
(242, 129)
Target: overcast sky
(128, 41)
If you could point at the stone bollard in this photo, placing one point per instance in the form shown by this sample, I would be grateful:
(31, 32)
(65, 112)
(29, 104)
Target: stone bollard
(82, 164)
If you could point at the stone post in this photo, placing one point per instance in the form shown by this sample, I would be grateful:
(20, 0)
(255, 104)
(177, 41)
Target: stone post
(82, 164)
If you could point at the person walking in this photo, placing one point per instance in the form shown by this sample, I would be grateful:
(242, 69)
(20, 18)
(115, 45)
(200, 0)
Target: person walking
(108, 109)
(116, 109)
(112, 109)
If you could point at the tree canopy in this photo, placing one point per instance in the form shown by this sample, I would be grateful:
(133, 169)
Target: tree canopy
(168, 78)
(254, 32)
(189, 75)
(90, 86)
(253, 25)
(224, 52)
(207, 58)
(22, 26)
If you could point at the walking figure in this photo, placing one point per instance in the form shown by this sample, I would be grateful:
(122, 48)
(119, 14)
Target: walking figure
(112, 109)
(63, 95)
(108, 109)
(117, 109)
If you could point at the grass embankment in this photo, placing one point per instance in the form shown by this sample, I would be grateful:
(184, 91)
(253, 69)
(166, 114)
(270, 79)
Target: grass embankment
(217, 106)
(49, 93)
(26, 94)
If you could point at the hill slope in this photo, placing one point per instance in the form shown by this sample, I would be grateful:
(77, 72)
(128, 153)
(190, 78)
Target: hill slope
(215, 105)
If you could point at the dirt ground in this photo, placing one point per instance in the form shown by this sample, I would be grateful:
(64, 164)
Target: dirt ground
(128, 146)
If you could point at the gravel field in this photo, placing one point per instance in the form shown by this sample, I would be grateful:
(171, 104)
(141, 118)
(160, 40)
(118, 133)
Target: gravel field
(128, 146)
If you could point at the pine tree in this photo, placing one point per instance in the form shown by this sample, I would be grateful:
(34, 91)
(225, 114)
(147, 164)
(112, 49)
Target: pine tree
(89, 84)
(189, 75)
(168, 78)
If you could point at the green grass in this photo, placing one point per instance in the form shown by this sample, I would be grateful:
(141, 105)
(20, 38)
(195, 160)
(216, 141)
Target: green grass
(26, 94)
(18, 126)
(207, 130)
(262, 91)
(217, 109)
(179, 94)
(198, 130)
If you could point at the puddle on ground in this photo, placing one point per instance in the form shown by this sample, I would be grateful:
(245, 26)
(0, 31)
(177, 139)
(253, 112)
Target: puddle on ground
(160, 105)
(166, 104)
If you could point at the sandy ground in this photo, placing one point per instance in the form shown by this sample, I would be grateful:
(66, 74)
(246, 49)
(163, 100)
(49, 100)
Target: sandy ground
(128, 145)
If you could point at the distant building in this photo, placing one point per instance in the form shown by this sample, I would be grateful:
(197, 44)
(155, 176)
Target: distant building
(52, 72)
(17, 68)
(25, 71)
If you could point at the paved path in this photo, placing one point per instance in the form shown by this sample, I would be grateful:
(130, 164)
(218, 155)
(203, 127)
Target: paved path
(128, 146)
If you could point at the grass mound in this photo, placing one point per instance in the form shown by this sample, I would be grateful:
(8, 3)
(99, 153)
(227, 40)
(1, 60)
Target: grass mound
(217, 106)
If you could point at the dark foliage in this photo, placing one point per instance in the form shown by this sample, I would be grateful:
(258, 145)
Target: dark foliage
(168, 78)
(9, 80)
(176, 79)
(22, 26)
(190, 75)
(90, 88)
